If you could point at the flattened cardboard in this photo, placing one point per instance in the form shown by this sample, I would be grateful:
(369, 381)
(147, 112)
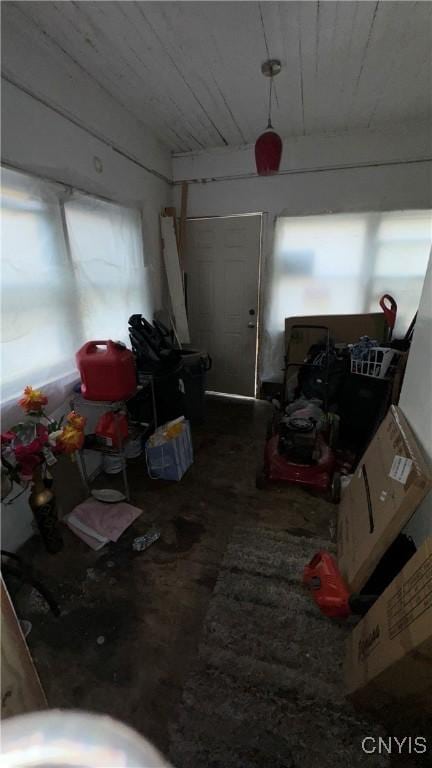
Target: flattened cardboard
(389, 653)
(389, 483)
(343, 329)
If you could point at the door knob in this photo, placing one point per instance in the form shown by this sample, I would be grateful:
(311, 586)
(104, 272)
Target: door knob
(251, 325)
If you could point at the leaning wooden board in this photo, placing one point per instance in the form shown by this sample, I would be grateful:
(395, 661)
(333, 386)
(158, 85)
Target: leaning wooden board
(21, 689)
(174, 277)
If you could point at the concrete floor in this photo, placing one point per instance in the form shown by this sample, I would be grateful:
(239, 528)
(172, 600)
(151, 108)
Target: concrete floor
(149, 607)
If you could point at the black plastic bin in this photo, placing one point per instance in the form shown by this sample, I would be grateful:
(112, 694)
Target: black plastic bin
(170, 399)
(195, 363)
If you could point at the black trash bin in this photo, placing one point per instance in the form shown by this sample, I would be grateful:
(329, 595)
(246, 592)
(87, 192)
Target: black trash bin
(195, 363)
(170, 399)
(167, 384)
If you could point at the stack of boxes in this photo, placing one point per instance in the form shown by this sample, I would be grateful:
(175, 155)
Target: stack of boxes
(389, 653)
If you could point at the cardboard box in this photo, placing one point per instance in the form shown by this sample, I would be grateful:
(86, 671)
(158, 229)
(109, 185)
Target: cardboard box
(343, 328)
(389, 483)
(389, 653)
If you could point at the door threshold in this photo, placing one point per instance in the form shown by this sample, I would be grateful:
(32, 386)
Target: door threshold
(229, 395)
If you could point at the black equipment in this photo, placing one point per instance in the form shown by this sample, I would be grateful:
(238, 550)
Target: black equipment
(179, 375)
(152, 346)
(299, 429)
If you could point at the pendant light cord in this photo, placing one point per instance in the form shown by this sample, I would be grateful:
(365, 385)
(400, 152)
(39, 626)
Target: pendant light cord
(269, 125)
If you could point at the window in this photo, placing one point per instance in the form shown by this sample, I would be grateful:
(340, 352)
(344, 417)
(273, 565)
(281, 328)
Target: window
(72, 270)
(343, 264)
(401, 248)
(106, 249)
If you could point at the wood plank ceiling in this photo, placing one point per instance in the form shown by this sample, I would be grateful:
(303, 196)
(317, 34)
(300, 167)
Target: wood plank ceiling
(191, 70)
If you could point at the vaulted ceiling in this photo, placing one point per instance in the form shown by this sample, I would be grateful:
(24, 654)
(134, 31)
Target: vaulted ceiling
(191, 70)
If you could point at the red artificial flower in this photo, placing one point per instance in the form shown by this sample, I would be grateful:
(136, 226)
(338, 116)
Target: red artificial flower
(28, 464)
(36, 445)
(7, 437)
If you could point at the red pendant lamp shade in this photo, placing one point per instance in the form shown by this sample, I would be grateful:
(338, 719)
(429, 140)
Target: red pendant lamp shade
(268, 146)
(268, 153)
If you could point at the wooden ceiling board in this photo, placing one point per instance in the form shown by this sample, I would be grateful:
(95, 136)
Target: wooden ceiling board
(190, 71)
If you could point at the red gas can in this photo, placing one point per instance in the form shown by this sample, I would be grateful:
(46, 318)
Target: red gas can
(107, 371)
(112, 428)
(328, 589)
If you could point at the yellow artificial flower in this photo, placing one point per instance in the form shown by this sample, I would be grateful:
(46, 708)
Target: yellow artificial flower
(76, 421)
(71, 439)
(33, 400)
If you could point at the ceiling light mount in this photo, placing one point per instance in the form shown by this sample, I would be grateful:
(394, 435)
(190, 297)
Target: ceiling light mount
(271, 67)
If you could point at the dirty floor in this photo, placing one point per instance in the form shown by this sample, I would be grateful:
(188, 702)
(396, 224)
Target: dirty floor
(130, 622)
(267, 686)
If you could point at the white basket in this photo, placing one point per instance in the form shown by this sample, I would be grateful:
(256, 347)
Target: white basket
(380, 363)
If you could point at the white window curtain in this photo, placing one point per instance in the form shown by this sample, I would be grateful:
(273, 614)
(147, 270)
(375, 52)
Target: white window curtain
(343, 264)
(72, 270)
(106, 249)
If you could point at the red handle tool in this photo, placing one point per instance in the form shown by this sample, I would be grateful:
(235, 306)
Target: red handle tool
(389, 307)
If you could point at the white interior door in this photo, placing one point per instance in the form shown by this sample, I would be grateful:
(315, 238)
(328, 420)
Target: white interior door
(222, 280)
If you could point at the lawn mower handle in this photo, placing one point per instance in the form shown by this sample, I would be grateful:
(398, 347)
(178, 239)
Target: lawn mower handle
(389, 307)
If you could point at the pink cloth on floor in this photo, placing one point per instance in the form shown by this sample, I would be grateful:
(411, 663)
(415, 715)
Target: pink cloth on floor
(102, 522)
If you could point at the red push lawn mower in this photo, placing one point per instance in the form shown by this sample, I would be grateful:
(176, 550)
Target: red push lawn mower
(302, 435)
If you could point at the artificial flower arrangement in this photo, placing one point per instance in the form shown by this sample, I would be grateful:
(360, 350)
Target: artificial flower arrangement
(38, 440)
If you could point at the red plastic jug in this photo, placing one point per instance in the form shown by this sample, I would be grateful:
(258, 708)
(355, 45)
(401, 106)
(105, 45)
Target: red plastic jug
(112, 428)
(107, 371)
(328, 588)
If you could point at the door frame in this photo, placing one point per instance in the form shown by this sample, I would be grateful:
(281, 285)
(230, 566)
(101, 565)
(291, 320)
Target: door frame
(259, 291)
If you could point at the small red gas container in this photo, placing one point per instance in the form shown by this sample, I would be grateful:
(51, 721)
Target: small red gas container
(107, 371)
(112, 428)
(327, 586)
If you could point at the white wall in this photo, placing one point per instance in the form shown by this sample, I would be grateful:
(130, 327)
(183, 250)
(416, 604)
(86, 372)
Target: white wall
(306, 153)
(319, 174)
(415, 399)
(55, 121)
(39, 65)
(38, 139)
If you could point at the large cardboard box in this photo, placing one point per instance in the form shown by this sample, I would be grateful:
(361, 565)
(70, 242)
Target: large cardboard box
(390, 481)
(389, 653)
(345, 329)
